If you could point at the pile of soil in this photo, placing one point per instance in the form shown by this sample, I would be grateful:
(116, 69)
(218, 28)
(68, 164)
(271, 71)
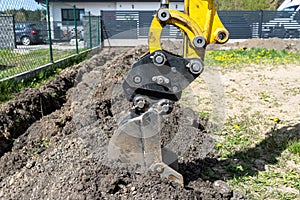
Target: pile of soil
(54, 140)
(271, 43)
(32, 104)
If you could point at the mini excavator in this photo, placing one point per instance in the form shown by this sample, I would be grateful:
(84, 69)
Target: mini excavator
(156, 81)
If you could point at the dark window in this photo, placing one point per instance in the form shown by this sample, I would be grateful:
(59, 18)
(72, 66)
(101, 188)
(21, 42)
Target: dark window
(67, 16)
(19, 27)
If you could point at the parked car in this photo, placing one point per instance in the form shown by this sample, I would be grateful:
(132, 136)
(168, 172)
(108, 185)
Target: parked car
(27, 34)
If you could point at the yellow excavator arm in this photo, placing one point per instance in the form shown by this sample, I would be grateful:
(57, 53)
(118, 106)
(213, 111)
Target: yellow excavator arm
(157, 80)
(200, 23)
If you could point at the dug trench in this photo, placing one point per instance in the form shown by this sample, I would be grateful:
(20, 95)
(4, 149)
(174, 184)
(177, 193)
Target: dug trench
(54, 140)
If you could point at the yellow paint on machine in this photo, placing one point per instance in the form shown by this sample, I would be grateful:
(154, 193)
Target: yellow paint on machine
(200, 18)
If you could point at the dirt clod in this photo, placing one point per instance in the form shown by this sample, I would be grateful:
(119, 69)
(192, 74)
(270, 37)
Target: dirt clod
(223, 187)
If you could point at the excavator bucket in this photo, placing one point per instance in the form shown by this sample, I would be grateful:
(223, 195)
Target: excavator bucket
(157, 80)
(137, 142)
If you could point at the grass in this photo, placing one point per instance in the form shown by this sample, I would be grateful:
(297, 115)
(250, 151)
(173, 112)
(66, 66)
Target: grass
(14, 62)
(17, 62)
(294, 147)
(9, 88)
(257, 155)
(261, 166)
(254, 56)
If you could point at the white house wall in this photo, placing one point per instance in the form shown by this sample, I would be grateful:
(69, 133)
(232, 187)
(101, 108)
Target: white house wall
(95, 8)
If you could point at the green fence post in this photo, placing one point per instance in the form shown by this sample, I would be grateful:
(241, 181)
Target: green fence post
(49, 32)
(102, 27)
(90, 30)
(75, 24)
(98, 31)
(14, 29)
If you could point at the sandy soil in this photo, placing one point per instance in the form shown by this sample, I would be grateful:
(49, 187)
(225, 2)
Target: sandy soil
(272, 91)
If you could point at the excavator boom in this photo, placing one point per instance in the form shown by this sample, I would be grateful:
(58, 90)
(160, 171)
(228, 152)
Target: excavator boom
(157, 80)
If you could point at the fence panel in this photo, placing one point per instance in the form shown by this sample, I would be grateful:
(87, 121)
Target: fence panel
(67, 33)
(34, 35)
(145, 18)
(18, 34)
(7, 35)
(241, 24)
(120, 24)
(132, 25)
(281, 24)
(91, 31)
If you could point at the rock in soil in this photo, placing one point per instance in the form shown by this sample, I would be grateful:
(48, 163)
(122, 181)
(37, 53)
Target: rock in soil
(62, 153)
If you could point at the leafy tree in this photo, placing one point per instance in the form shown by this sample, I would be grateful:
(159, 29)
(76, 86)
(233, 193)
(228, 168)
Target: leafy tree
(27, 15)
(247, 4)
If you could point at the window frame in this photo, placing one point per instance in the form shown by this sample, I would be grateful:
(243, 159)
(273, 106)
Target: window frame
(67, 16)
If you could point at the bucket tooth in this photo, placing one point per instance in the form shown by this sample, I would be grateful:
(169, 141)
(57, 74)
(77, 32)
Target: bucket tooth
(167, 172)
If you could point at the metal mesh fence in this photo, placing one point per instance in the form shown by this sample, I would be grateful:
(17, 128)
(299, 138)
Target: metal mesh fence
(92, 30)
(34, 33)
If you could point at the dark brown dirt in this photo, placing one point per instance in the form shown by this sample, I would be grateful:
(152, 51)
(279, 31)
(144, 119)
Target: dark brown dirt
(61, 153)
(32, 104)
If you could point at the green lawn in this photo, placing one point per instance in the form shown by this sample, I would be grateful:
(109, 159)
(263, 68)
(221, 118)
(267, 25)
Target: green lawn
(12, 63)
(255, 56)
